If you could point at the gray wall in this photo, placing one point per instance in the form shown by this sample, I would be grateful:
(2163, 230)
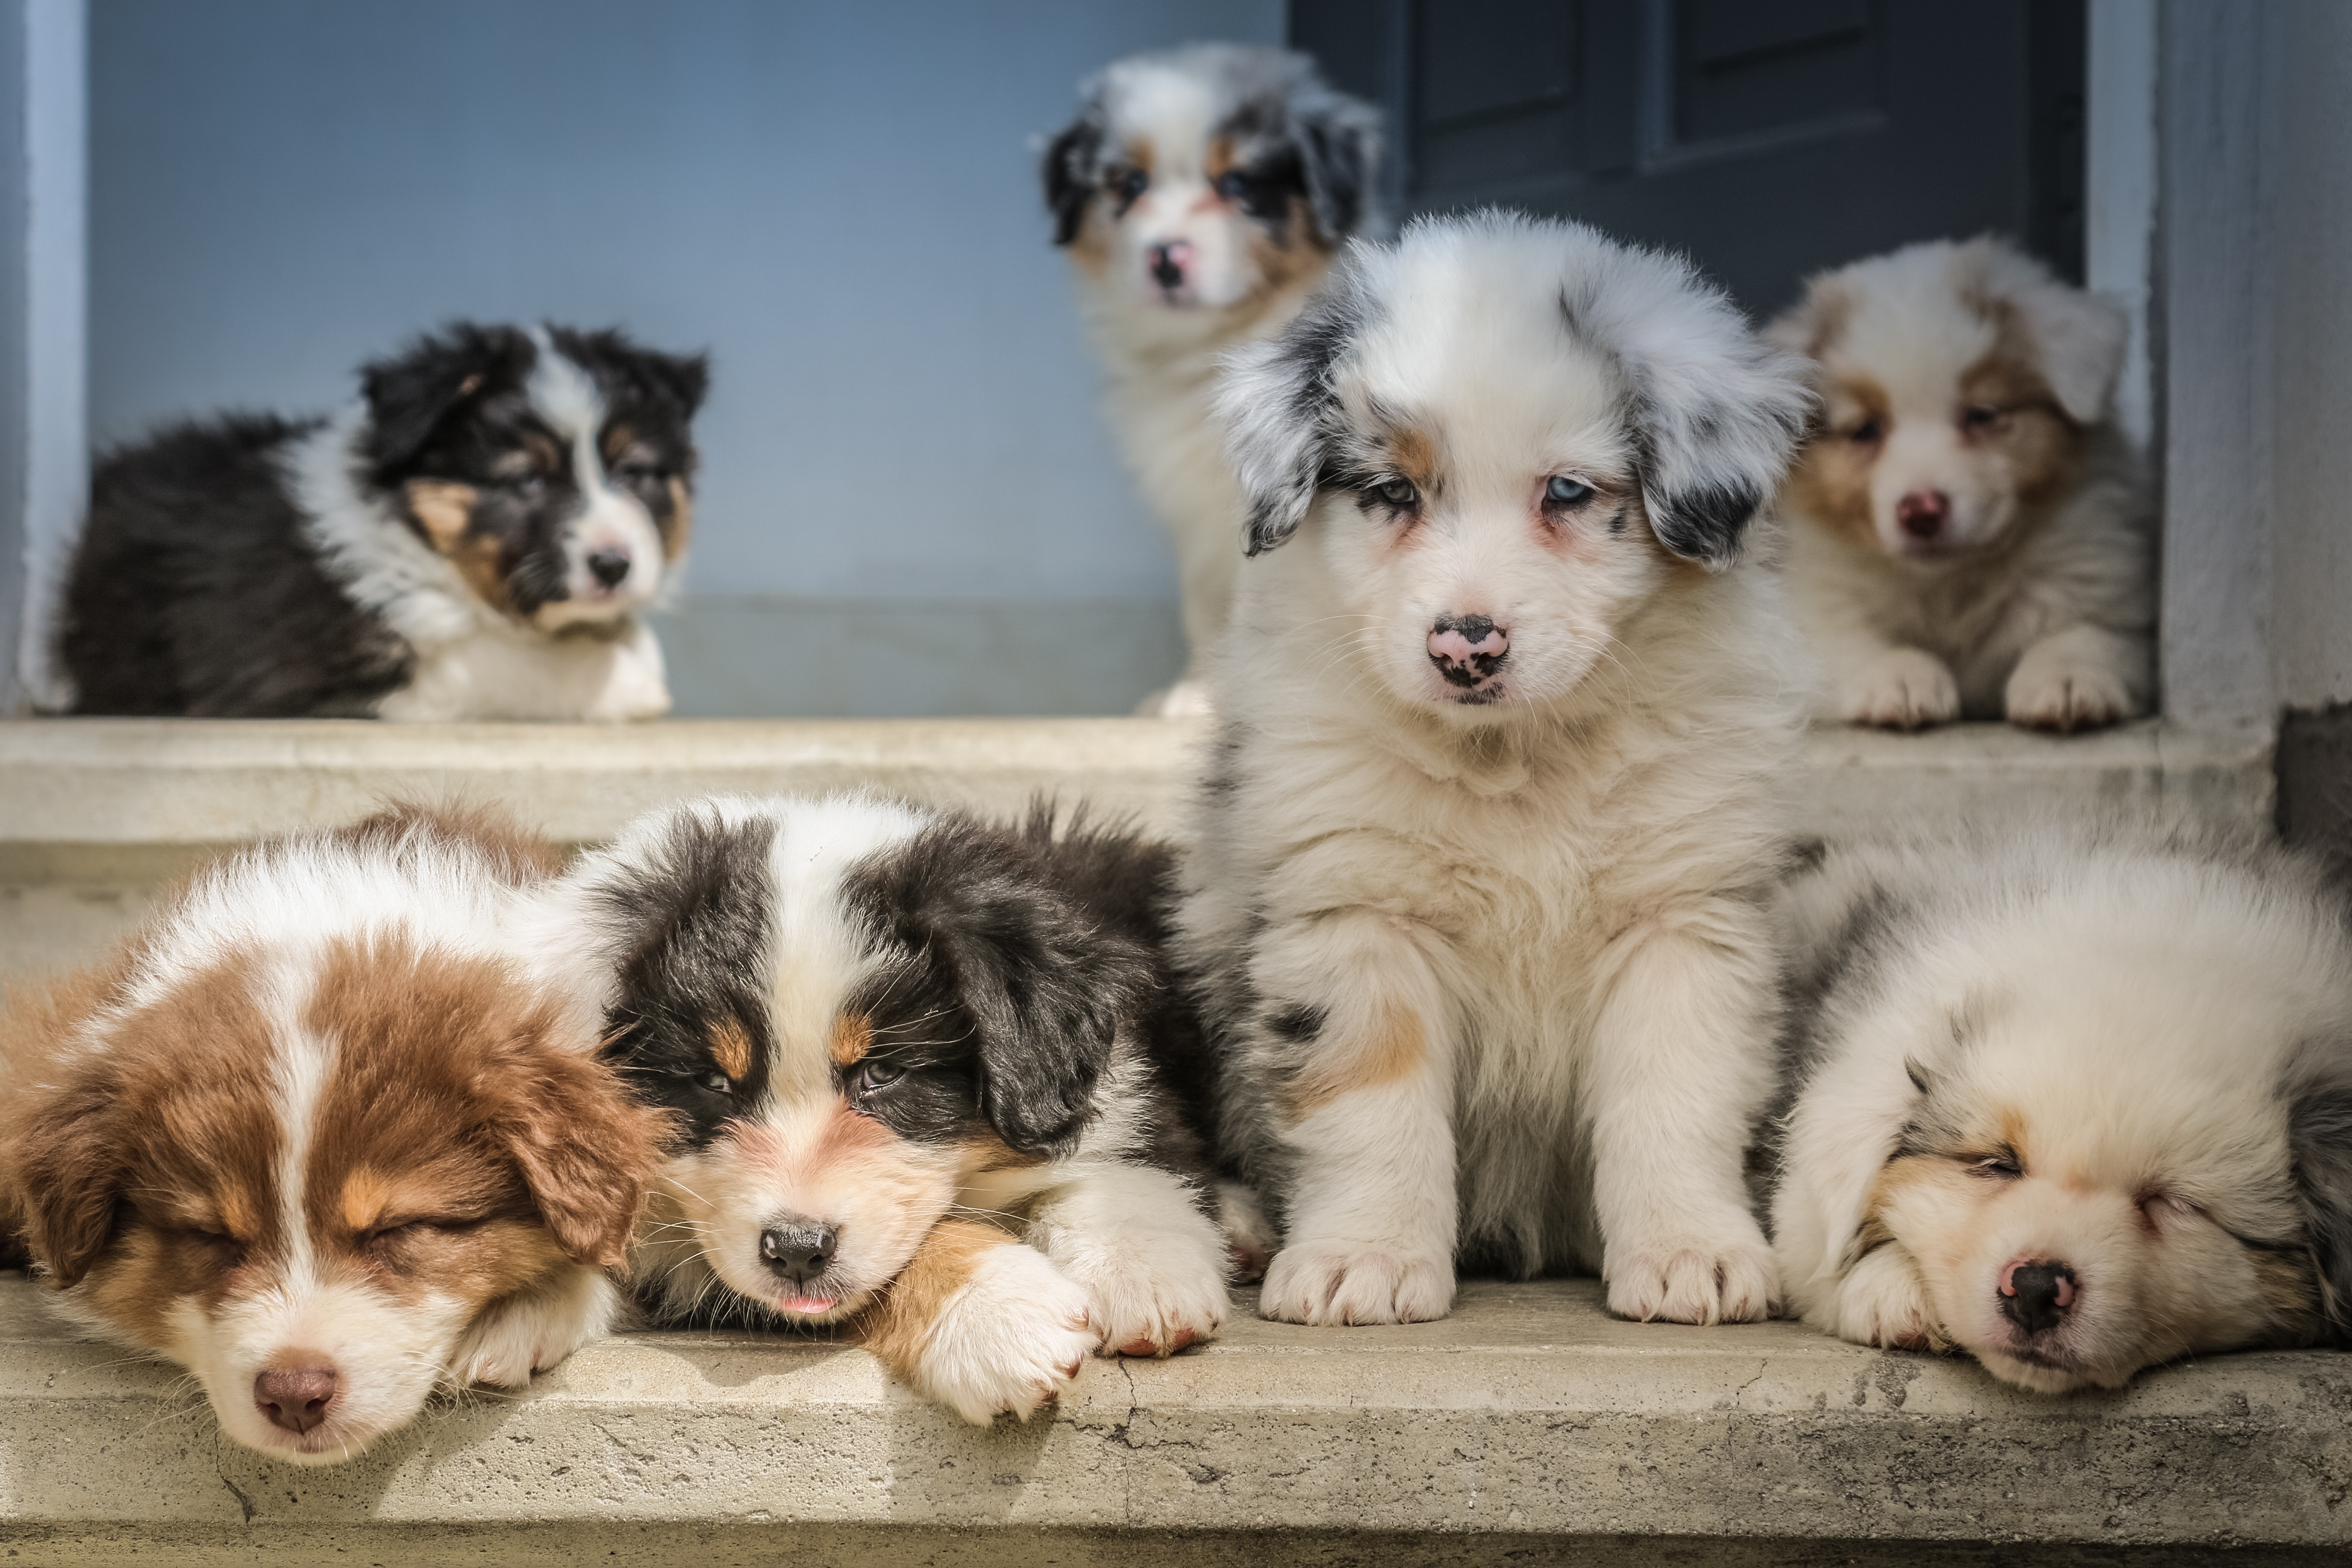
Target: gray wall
(838, 200)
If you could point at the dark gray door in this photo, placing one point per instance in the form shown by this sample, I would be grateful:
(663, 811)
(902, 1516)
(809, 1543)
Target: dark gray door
(1766, 139)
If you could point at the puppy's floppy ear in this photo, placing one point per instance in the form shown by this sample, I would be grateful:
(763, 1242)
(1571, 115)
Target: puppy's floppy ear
(1714, 412)
(65, 1172)
(2319, 1135)
(586, 1145)
(1281, 409)
(1813, 322)
(1071, 169)
(2076, 338)
(1338, 142)
(1045, 987)
(409, 395)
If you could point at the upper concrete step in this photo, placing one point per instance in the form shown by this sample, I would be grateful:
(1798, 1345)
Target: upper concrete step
(1527, 1422)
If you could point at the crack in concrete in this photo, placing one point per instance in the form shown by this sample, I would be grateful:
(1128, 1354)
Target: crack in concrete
(244, 1502)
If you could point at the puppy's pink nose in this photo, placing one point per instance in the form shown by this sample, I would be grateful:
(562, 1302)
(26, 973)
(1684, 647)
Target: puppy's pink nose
(1168, 263)
(2036, 1292)
(295, 1395)
(1923, 513)
(1467, 650)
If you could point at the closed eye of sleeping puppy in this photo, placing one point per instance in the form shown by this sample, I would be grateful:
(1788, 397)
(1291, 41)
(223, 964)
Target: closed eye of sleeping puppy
(1968, 534)
(931, 1078)
(315, 1136)
(1475, 907)
(2074, 1102)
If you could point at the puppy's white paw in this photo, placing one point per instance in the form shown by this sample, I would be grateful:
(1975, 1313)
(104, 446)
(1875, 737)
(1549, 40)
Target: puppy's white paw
(1694, 1279)
(1185, 699)
(1882, 1302)
(2066, 695)
(1010, 1339)
(1153, 1264)
(1354, 1282)
(531, 1333)
(1902, 688)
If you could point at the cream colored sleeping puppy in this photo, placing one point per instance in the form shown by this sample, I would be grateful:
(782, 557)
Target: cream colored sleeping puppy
(1504, 712)
(1969, 537)
(2075, 1103)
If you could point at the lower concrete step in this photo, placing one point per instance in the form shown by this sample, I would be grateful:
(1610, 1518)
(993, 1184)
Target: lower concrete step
(1528, 1427)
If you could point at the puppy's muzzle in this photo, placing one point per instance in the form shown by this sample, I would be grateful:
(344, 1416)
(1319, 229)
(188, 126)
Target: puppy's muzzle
(296, 1393)
(2037, 1294)
(609, 566)
(797, 1250)
(1467, 649)
(1168, 263)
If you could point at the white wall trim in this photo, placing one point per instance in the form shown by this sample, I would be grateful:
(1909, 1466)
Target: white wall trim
(56, 314)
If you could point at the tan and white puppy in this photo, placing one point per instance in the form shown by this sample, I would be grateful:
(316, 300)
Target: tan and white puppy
(314, 1134)
(1968, 534)
(2076, 1103)
(929, 1080)
(1475, 903)
(1199, 193)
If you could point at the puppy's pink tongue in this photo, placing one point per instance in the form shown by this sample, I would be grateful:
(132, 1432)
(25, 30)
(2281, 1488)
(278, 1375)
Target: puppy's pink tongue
(803, 1304)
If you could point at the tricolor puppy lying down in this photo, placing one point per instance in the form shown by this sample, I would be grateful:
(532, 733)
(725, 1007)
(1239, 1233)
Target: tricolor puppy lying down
(932, 1081)
(2075, 1103)
(314, 1135)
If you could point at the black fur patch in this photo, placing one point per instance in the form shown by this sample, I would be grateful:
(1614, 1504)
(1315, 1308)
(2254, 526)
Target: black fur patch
(1070, 170)
(695, 963)
(1703, 524)
(1311, 348)
(1300, 1023)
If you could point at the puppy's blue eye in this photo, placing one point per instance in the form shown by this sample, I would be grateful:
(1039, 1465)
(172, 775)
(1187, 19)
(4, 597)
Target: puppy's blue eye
(1398, 493)
(1561, 491)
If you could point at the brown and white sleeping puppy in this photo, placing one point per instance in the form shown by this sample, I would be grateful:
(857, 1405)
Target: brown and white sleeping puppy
(932, 1081)
(2076, 1103)
(1968, 534)
(314, 1135)
(1201, 192)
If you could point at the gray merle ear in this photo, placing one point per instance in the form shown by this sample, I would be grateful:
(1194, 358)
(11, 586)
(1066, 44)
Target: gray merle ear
(1714, 413)
(2319, 1134)
(1338, 140)
(1281, 409)
(410, 394)
(1046, 989)
(1071, 169)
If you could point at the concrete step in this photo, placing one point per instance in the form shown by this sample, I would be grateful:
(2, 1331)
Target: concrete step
(1527, 1427)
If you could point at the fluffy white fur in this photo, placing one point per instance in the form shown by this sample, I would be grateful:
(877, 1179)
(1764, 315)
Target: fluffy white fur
(1966, 372)
(1010, 1341)
(1490, 961)
(2087, 1048)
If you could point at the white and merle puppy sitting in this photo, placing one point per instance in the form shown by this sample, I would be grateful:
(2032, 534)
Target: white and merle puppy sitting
(1199, 193)
(1969, 537)
(473, 540)
(2074, 1102)
(1475, 898)
(930, 1078)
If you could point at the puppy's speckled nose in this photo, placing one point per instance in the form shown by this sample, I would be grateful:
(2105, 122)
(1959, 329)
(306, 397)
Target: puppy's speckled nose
(1467, 650)
(798, 1249)
(2036, 1294)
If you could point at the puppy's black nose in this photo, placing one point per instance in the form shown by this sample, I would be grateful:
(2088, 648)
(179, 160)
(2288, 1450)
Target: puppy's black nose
(2036, 1296)
(609, 566)
(798, 1249)
(1467, 650)
(1168, 263)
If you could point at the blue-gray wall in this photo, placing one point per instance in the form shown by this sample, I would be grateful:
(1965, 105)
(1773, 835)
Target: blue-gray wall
(838, 200)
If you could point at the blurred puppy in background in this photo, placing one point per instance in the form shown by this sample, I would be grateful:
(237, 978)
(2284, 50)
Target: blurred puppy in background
(932, 1081)
(1199, 193)
(473, 540)
(2076, 1103)
(313, 1134)
(1969, 537)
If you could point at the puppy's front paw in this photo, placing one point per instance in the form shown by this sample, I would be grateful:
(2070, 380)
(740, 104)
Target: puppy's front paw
(2064, 694)
(1902, 688)
(1010, 1339)
(1694, 1280)
(1354, 1282)
(528, 1334)
(1155, 1301)
(1881, 1302)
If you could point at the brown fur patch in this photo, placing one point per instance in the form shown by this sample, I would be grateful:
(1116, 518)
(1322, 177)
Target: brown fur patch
(677, 528)
(852, 1036)
(897, 1323)
(2043, 450)
(615, 442)
(1296, 259)
(1394, 1048)
(730, 1048)
(2289, 1286)
(443, 511)
(989, 1152)
(518, 856)
(1830, 481)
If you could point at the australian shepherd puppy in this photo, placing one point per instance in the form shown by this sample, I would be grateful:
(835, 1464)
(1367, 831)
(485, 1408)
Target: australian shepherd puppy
(931, 1081)
(2075, 1103)
(1199, 193)
(1969, 537)
(1475, 896)
(473, 540)
(314, 1135)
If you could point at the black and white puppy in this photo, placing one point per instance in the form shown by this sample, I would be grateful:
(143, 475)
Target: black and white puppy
(1199, 194)
(2076, 1100)
(1476, 896)
(930, 1077)
(472, 540)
